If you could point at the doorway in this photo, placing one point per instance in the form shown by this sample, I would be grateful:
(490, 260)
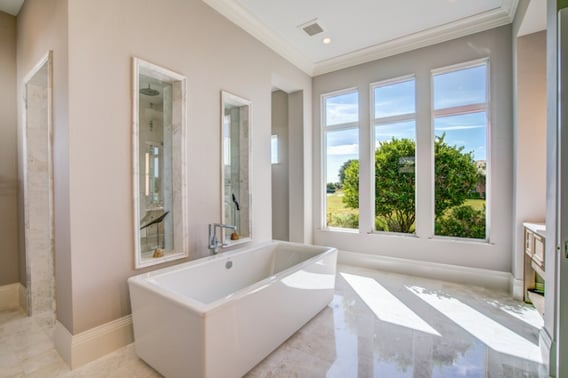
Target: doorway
(291, 186)
(38, 191)
(280, 167)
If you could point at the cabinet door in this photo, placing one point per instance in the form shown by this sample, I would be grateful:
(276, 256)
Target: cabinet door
(529, 238)
(538, 244)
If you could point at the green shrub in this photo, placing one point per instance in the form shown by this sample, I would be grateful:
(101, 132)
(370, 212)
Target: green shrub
(391, 224)
(343, 220)
(331, 187)
(462, 221)
(474, 195)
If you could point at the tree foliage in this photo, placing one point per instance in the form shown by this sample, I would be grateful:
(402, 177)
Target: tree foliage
(463, 221)
(331, 187)
(455, 175)
(350, 184)
(342, 170)
(395, 181)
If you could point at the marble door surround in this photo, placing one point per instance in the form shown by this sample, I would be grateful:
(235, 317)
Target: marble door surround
(38, 188)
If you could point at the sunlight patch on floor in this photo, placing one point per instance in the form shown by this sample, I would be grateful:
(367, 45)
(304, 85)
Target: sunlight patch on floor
(488, 331)
(386, 306)
(524, 313)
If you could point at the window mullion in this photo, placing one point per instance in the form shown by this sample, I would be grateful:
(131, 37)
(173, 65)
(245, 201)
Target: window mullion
(342, 126)
(460, 110)
(394, 119)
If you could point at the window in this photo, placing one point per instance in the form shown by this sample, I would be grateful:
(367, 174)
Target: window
(274, 158)
(341, 159)
(460, 119)
(458, 144)
(394, 128)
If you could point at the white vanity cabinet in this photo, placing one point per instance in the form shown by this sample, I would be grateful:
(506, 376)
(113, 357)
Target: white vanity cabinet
(533, 283)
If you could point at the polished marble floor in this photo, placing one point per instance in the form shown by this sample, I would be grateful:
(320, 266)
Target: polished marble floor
(378, 325)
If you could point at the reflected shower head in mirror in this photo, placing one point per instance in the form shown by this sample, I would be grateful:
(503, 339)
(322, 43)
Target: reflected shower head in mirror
(149, 91)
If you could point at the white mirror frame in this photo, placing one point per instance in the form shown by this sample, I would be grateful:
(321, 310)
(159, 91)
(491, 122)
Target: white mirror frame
(227, 97)
(180, 223)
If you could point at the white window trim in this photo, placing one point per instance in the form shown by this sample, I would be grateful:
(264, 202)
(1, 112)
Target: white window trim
(323, 152)
(377, 121)
(461, 110)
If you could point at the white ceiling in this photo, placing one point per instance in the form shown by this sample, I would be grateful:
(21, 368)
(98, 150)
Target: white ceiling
(535, 18)
(361, 30)
(11, 6)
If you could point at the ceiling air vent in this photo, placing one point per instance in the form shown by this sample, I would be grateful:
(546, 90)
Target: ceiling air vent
(312, 28)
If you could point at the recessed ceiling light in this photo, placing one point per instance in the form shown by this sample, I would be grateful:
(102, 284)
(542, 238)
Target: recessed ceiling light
(326, 41)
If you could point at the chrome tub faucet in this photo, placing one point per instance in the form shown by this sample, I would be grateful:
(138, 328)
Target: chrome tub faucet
(214, 243)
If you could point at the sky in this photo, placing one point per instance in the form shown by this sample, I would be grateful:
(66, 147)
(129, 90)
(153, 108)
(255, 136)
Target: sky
(451, 89)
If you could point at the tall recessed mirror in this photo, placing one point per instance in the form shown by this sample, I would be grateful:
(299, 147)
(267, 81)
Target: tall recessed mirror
(159, 160)
(236, 168)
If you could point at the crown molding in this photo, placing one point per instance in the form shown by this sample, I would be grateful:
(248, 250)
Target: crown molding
(461, 28)
(510, 6)
(231, 10)
(481, 22)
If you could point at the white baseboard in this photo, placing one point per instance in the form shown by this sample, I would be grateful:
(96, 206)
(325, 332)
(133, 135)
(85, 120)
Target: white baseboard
(10, 296)
(77, 350)
(453, 273)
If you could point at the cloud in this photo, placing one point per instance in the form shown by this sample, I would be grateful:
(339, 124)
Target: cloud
(344, 149)
(341, 113)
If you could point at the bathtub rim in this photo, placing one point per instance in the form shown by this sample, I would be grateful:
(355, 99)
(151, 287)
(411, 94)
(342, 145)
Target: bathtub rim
(145, 280)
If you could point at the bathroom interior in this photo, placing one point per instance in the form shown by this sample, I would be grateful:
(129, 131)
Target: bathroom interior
(187, 150)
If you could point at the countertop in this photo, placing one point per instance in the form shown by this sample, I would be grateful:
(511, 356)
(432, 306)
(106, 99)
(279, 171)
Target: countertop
(537, 228)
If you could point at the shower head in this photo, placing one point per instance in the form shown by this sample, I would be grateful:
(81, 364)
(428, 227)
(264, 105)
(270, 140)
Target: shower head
(149, 91)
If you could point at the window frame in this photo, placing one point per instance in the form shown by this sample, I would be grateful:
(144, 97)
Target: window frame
(324, 130)
(463, 110)
(374, 121)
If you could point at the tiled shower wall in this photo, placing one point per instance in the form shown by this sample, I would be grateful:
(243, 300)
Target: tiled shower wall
(39, 223)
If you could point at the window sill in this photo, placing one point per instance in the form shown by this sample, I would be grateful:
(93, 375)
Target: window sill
(393, 234)
(341, 230)
(453, 239)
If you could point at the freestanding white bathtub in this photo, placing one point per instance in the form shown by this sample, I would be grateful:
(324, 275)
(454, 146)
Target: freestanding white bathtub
(221, 315)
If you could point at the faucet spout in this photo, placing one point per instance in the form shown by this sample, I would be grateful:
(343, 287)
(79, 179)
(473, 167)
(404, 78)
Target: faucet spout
(214, 243)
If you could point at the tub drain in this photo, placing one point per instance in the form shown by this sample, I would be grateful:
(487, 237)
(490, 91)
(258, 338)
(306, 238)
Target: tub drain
(228, 264)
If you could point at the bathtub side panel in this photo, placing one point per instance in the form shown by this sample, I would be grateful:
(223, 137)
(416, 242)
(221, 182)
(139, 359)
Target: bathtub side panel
(242, 333)
(167, 335)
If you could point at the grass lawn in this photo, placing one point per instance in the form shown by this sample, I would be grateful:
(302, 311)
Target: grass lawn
(335, 205)
(340, 214)
(477, 204)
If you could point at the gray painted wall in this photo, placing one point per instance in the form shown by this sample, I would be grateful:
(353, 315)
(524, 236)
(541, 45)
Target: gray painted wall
(496, 255)
(94, 116)
(530, 138)
(9, 271)
(42, 26)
